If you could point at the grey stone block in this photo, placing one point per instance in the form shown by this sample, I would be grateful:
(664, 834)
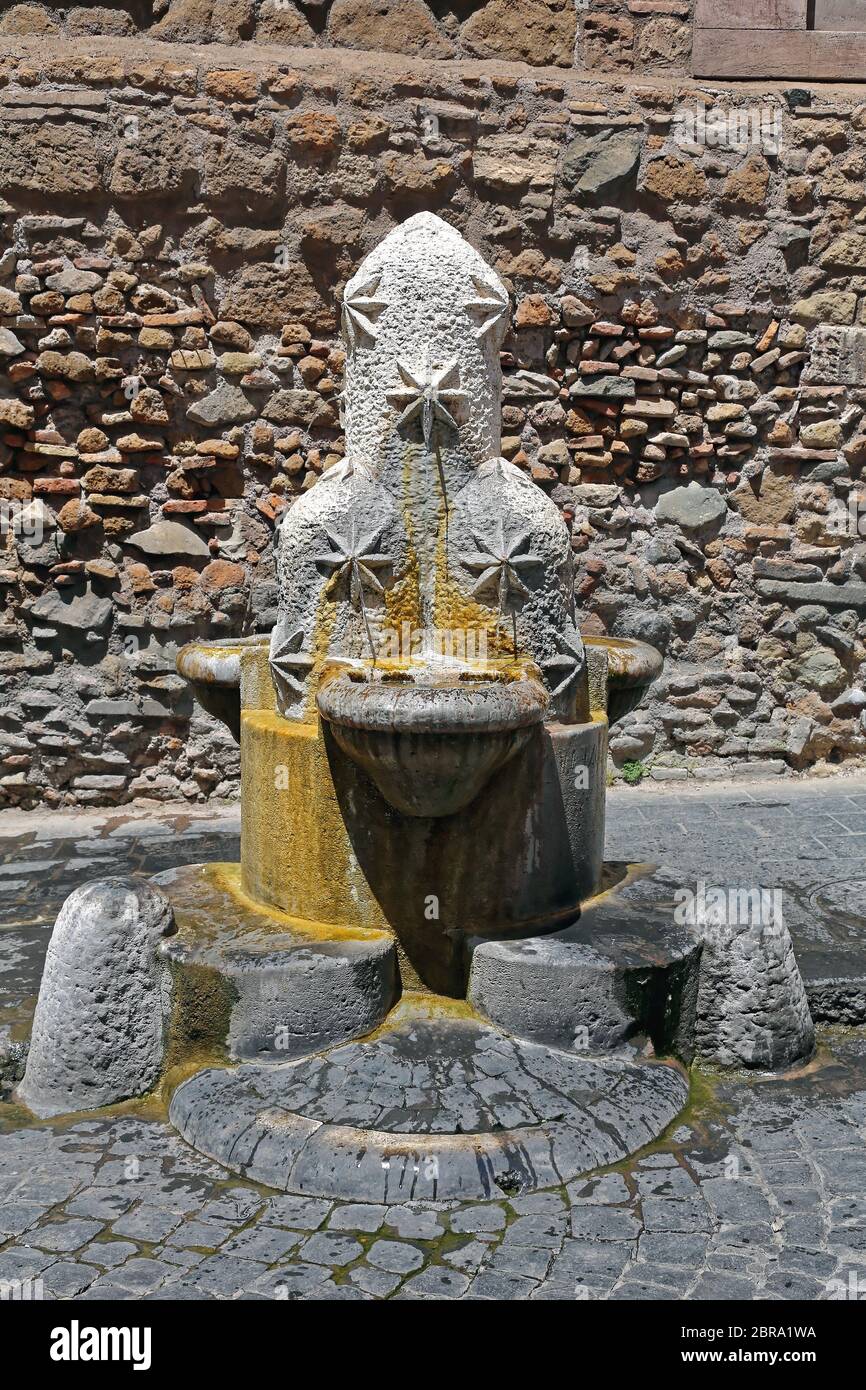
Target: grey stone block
(274, 993)
(99, 1031)
(752, 1009)
(622, 969)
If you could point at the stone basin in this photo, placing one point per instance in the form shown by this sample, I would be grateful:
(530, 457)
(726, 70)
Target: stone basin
(213, 669)
(632, 666)
(430, 738)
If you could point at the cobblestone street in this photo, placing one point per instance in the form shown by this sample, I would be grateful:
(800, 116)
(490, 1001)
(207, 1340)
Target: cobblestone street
(755, 1192)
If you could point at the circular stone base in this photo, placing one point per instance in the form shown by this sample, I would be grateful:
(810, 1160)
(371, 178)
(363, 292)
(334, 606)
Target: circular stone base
(434, 1107)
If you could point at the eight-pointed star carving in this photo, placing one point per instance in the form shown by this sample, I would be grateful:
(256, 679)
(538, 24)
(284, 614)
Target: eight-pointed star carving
(355, 558)
(567, 662)
(428, 391)
(360, 310)
(499, 561)
(290, 664)
(489, 307)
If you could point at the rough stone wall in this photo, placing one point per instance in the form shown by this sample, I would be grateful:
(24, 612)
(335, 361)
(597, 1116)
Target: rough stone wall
(636, 36)
(540, 32)
(685, 375)
(641, 36)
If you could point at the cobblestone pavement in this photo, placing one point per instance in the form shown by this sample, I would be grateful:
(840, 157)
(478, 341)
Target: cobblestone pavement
(756, 1193)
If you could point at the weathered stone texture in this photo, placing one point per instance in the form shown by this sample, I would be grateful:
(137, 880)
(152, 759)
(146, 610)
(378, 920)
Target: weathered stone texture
(751, 1008)
(99, 1032)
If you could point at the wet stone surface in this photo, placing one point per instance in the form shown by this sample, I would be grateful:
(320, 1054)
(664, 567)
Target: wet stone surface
(434, 1107)
(755, 1193)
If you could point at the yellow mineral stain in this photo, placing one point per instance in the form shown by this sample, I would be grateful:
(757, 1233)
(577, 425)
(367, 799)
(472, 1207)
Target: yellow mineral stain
(416, 1004)
(456, 611)
(295, 849)
(228, 877)
(323, 632)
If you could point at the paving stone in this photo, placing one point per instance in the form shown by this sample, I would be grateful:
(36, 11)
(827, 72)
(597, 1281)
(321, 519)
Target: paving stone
(236, 1206)
(147, 1223)
(226, 1275)
(395, 1256)
(538, 1230)
(638, 1291)
(414, 1224)
(538, 1204)
(501, 1287)
(357, 1216)
(718, 1287)
(108, 1253)
(327, 1249)
(99, 1203)
(606, 1190)
(266, 1243)
(550, 1292)
(679, 1249)
(663, 1276)
(203, 1235)
(794, 1285)
(374, 1281)
(140, 1274)
(300, 1213)
(521, 1259)
(64, 1235)
(17, 1217)
(587, 1262)
(479, 1218)
(435, 1282)
(336, 1293)
(66, 1279)
(604, 1223)
(468, 1257)
(668, 1214)
(105, 1291)
(290, 1281)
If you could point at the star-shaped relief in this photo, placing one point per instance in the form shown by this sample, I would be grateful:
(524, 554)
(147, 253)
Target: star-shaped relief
(489, 307)
(290, 664)
(499, 561)
(566, 664)
(355, 559)
(431, 392)
(360, 311)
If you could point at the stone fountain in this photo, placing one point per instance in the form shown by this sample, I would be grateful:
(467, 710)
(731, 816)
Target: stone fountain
(421, 979)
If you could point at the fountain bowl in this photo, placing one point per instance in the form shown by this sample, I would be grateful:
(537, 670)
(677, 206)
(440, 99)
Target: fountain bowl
(213, 669)
(431, 738)
(632, 666)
